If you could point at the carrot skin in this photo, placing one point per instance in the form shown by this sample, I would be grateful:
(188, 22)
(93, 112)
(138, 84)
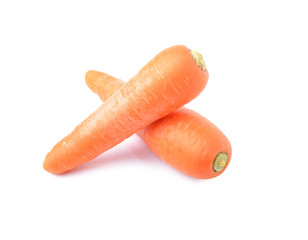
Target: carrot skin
(183, 139)
(158, 89)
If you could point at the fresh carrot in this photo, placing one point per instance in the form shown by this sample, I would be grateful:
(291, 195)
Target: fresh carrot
(183, 139)
(171, 79)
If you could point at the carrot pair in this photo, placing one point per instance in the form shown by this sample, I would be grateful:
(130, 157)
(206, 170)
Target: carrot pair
(149, 104)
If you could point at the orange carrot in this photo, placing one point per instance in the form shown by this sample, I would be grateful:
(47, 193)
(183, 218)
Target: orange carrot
(183, 139)
(171, 79)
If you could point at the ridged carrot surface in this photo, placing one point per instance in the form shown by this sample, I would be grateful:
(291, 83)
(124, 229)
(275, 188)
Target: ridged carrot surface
(183, 139)
(170, 80)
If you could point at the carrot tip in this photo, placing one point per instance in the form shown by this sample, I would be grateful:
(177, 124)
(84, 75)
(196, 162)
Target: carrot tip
(220, 161)
(198, 59)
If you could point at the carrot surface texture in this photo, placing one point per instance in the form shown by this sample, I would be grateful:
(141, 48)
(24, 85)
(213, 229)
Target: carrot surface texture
(183, 139)
(171, 79)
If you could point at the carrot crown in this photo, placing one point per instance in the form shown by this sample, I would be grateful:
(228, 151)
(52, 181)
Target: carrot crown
(198, 59)
(220, 161)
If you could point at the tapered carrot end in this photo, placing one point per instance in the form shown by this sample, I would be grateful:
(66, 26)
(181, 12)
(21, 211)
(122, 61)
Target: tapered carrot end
(47, 167)
(52, 165)
(92, 74)
(90, 77)
(52, 170)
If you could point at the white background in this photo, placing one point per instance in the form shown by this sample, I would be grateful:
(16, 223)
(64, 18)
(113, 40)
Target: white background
(256, 54)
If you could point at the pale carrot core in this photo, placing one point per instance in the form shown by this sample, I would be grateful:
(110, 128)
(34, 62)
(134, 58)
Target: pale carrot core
(198, 59)
(220, 161)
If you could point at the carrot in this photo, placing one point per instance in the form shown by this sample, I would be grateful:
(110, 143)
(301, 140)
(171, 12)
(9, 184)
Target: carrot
(171, 79)
(183, 139)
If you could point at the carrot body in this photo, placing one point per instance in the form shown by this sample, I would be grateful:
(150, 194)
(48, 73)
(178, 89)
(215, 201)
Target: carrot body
(183, 139)
(168, 81)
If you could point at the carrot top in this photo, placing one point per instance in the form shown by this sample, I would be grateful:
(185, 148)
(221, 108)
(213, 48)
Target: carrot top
(198, 59)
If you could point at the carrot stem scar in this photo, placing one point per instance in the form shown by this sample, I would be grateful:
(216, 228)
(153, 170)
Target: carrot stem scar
(198, 59)
(220, 161)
